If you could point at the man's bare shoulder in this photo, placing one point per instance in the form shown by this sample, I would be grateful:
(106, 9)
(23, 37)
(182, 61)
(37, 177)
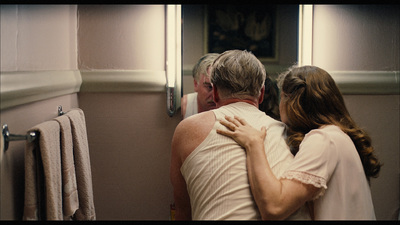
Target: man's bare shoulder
(198, 121)
(190, 132)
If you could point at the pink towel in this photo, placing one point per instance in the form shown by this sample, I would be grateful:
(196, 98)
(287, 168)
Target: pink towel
(86, 209)
(69, 187)
(43, 191)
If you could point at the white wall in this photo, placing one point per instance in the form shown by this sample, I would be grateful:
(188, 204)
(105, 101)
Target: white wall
(38, 37)
(129, 131)
(121, 37)
(356, 37)
(364, 39)
(38, 46)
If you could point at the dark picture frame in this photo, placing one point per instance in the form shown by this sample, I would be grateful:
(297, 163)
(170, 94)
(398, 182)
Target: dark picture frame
(244, 27)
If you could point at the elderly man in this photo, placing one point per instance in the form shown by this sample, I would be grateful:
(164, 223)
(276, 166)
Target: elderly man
(200, 100)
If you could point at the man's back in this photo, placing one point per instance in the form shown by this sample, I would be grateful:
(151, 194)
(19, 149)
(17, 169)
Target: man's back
(215, 172)
(208, 171)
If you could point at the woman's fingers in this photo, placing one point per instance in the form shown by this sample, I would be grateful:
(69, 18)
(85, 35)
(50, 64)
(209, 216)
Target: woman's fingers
(241, 120)
(237, 121)
(263, 131)
(225, 132)
(234, 121)
(228, 124)
(241, 132)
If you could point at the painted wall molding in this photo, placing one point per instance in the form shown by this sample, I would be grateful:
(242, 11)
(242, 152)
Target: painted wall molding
(123, 81)
(23, 87)
(367, 82)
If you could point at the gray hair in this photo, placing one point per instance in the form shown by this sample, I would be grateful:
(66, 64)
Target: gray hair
(202, 65)
(238, 74)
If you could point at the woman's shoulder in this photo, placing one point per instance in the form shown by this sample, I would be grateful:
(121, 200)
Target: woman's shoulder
(323, 135)
(324, 130)
(326, 137)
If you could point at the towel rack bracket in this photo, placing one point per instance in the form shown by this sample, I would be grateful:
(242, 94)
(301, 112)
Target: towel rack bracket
(60, 111)
(6, 135)
(31, 136)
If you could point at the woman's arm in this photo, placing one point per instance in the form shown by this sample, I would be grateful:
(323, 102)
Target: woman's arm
(276, 199)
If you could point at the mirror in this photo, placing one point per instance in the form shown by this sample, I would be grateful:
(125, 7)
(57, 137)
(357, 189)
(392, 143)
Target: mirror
(199, 23)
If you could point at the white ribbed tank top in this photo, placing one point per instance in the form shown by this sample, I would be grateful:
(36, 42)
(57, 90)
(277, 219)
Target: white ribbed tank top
(191, 104)
(216, 174)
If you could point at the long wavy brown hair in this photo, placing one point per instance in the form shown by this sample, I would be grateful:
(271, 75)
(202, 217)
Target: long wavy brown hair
(312, 99)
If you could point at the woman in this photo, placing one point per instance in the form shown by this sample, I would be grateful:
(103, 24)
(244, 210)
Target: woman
(327, 171)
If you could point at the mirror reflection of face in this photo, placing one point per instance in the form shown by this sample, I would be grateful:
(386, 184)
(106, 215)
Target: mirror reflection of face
(204, 94)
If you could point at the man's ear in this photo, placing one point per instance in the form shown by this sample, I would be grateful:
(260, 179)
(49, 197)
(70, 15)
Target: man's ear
(261, 98)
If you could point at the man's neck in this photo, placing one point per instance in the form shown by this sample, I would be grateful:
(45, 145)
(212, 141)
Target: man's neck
(234, 100)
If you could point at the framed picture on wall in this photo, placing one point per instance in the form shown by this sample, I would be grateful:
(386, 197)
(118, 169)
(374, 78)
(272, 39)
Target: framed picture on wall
(244, 27)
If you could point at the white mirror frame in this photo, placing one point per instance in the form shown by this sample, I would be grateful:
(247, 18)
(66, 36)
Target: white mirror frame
(305, 34)
(173, 58)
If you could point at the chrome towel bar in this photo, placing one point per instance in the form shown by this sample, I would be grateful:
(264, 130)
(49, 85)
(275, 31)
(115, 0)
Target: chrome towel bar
(30, 136)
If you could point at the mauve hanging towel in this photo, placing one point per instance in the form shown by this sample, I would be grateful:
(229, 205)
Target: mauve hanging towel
(43, 190)
(86, 209)
(69, 186)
